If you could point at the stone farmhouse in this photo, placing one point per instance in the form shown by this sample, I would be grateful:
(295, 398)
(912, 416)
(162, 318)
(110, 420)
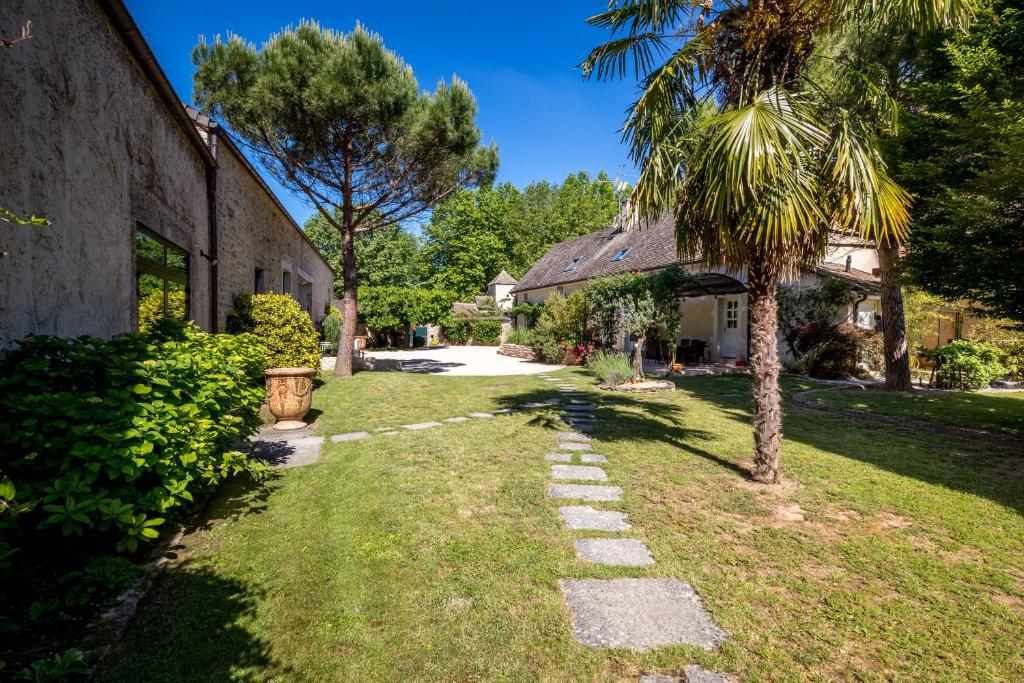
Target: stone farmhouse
(715, 322)
(150, 202)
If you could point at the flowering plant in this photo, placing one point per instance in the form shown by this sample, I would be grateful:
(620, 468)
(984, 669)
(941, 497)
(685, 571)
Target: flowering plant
(580, 351)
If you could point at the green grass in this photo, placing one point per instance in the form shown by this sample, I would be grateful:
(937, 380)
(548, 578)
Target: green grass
(999, 412)
(387, 399)
(435, 556)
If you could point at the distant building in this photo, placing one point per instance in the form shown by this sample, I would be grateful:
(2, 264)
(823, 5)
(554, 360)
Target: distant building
(500, 289)
(151, 203)
(715, 321)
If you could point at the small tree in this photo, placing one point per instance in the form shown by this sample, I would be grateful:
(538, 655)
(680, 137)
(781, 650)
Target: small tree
(339, 118)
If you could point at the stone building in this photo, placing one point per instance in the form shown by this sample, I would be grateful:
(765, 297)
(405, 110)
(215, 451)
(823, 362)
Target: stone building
(149, 202)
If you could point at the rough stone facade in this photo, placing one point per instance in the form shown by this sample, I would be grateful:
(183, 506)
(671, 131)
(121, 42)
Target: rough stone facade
(91, 140)
(517, 351)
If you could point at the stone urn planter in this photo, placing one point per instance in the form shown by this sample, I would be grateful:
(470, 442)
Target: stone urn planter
(289, 393)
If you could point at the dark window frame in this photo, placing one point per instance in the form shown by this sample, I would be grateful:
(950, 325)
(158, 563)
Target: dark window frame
(147, 266)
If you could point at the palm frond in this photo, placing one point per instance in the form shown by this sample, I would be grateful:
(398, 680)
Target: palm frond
(641, 16)
(869, 202)
(611, 59)
(915, 15)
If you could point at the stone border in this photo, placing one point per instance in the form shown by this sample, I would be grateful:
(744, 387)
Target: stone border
(803, 400)
(517, 351)
(646, 387)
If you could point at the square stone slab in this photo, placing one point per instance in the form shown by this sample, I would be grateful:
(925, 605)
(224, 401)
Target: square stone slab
(572, 436)
(288, 452)
(351, 436)
(481, 415)
(639, 614)
(587, 518)
(585, 492)
(388, 433)
(614, 552)
(574, 446)
(460, 418)
(582, 472)
(538, 404)
(558, 457)
(582, 427)
(579, 409)
(698, 674)
(504, 411)
(422, 425)
(592, 457)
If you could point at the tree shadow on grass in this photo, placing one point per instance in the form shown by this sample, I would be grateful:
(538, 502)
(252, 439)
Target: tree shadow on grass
(958, 463)
(625, 417)
(191, 627)
(238, 497)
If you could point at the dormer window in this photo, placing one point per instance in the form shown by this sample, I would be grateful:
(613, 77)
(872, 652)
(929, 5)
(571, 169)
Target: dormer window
(572, 264)
(620, 255)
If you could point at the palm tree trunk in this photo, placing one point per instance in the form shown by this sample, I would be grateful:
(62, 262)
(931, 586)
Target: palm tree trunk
(894, 327)
(763, 286)
(638, 359)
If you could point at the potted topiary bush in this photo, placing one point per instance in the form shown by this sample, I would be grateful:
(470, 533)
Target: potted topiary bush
(294, 350)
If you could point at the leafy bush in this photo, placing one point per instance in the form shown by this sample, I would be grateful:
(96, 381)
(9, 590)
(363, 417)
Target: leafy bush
(1013, 359)
(331, 326)
(487, 332)
(531, 312)
(565, 317)
(964, 364)
(456, 330)
(518, 335)
(834, 351)
(101, 440)
(282, 325)
(609, 367)
(545, 343)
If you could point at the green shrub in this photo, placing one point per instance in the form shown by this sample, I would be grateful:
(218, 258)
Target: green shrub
(965, 365)
(456, 330)
(518, 335)
(487, 332)
(530, 312)
(151, 307)
(609, 367)
(545, 343)
(102, 440)
(332, 327)
(1013, 359)
(834, 351)
(282, 325)
(565, 317)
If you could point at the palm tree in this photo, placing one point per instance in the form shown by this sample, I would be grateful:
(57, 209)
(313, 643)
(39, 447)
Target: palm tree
(760, 162)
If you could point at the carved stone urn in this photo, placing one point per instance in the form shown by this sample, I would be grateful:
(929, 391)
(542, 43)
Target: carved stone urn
(289, 392)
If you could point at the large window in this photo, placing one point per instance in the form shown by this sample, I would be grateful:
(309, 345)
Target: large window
(161, 271)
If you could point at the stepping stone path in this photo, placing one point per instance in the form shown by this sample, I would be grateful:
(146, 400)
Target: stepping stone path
(639, 614)
(586, 518)
(581, 472)
(615, 552)
(633, 613)
(422, 425)
(482, 416)
(460, 418)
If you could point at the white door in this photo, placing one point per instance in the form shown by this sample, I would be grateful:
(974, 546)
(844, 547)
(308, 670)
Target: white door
(729, 324)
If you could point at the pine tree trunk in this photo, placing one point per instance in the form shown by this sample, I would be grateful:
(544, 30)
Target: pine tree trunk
(894, 327)
(638, 359)
(349, 307)
(764, 306)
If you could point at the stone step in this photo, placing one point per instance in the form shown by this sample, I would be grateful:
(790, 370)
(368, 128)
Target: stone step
(614, 552)
(422, 425)
(351, 436)
(574, 446)
(592, 457)
(572, 436)
(585, 492)
(586, 518)
(639, 614)
(580, 472)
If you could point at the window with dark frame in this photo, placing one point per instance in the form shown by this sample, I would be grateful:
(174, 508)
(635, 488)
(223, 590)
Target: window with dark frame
(620, 255)
(286, 282)
(161, 278)
(259, 285)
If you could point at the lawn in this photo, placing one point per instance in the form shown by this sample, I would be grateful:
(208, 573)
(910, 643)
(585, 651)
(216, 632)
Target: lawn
(999, 412)
(888, 554)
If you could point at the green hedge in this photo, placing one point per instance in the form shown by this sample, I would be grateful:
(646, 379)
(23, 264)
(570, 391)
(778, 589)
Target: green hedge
(487, 332)
(965, 364)
(100, 441)
(282, 325)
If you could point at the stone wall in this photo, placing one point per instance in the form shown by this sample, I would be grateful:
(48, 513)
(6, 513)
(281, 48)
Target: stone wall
(86, 141)
(254, 232)
(517, 351)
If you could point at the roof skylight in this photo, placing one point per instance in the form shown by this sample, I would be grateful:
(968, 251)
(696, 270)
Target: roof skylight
(572, 264)
(621, 255)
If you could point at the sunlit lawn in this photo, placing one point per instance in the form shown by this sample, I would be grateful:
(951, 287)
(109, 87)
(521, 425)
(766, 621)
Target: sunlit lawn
(435, 555)
(1001, 412)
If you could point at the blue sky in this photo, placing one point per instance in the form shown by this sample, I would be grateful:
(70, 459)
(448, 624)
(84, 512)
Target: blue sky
(518, 59)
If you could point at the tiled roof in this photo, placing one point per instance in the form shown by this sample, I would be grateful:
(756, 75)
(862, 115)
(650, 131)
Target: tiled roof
(503, 278)
(861, 280)
(651, 246)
